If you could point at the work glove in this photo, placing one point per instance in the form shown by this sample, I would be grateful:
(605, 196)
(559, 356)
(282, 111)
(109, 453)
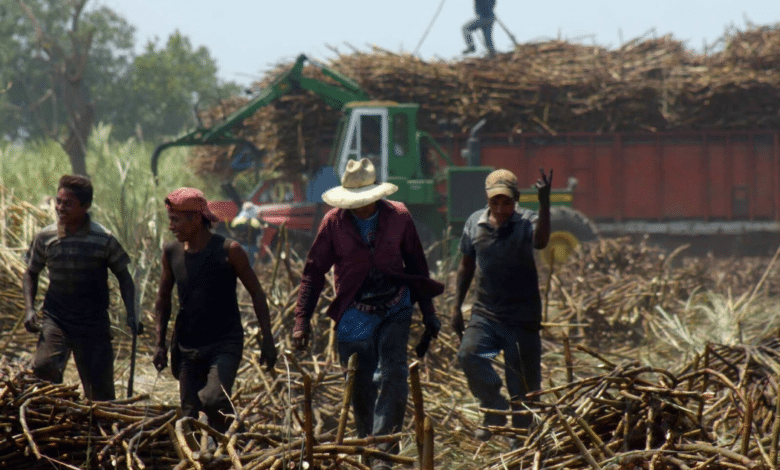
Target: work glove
(456, 321)
(543, 186)
(31, 321)
(432, 327)
(301, 332)
(432, 324)
(267, 351)
(135, 325)
(160, 359)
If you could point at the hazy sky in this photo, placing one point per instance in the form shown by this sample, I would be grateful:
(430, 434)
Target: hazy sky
(248, 37)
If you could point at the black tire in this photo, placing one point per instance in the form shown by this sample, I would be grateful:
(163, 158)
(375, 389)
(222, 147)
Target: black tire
(569, 228)
(567, 219)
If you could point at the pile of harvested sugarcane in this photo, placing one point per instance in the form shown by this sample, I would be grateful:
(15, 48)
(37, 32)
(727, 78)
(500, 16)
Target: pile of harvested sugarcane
(616, 290)
(620, 305)
(718, 412)
(51, 423)
(645, 85)
(721, 411)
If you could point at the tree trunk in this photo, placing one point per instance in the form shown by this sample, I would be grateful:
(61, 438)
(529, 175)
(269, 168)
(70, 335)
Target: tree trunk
(67, 77)
(80, 112)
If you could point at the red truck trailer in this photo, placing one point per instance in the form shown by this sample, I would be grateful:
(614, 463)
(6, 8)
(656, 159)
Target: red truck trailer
(719, 190)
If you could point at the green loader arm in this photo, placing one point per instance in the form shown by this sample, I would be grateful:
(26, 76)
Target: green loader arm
(335, 96)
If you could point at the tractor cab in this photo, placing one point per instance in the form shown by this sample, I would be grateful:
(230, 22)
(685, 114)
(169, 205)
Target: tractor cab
(440, 194)
(386, 133)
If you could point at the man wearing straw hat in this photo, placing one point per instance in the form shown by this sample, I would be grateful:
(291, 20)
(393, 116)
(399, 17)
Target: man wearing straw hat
(78, 253)
(208, 337)
(498, 243)
(380, 271)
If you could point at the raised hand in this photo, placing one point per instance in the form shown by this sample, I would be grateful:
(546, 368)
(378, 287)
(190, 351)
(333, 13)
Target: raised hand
(543, 186)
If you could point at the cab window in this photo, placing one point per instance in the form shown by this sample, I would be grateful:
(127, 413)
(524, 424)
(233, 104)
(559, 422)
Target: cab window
(399, 135)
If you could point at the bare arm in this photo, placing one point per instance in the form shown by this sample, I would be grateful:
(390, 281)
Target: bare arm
(542, 230)
(240, 263)
(29, 290)
(466, 269)
(162, 313)
(127, 290)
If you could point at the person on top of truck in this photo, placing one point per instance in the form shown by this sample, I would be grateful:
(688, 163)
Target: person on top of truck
(498, 244)
(208, 337)
(380, 271)
(484, 21)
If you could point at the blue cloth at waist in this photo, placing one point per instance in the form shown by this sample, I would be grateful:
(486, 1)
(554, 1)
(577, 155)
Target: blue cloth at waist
(356, 325)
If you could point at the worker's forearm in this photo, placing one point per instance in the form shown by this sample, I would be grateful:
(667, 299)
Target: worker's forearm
(262, 313)
(542, 232)
(127, 289)
(462, 283)
(29, 289)
(162, 314)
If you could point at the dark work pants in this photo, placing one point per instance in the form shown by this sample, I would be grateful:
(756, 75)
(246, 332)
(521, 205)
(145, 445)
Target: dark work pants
(486, 25)
(205, 372)
(482, 341)
(92, 352)
(381, 385)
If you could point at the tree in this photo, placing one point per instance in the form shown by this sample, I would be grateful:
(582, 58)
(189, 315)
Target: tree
(168, 82)
(54, 50)
(64, 67)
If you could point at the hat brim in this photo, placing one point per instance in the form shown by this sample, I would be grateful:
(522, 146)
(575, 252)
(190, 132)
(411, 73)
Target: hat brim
(346, 198)
(500, 191)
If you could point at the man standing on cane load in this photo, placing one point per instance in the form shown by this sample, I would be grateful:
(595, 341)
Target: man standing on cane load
(208, 337)
(484, 21)
(498, 244)
(78, 253)
(380, 271)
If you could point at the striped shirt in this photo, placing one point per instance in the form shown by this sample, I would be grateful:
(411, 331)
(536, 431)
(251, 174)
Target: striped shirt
(78, 263)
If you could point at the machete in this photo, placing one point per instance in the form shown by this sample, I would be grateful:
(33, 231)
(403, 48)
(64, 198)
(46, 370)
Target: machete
(132, 363)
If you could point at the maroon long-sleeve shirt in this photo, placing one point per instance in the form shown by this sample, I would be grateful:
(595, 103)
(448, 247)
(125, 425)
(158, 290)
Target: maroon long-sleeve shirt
(398, 253)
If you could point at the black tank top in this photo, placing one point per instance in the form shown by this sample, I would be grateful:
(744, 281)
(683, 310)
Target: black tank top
(206, 283)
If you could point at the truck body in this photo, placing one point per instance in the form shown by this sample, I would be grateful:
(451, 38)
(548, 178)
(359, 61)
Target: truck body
(720, 189)
(714, 185)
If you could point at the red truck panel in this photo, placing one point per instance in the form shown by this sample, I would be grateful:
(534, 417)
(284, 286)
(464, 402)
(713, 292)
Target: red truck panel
(703, 176)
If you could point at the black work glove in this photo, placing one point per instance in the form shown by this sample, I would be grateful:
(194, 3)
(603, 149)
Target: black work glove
(543, 186)
(432, 324)
(267, 351)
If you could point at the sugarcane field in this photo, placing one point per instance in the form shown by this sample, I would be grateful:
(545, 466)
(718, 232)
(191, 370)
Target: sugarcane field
(660, 347)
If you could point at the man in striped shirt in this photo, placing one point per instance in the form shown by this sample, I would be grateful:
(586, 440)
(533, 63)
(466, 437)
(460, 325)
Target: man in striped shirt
(78, 253)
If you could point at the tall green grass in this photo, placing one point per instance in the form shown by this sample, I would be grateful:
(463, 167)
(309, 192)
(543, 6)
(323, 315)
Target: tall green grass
(126, 200)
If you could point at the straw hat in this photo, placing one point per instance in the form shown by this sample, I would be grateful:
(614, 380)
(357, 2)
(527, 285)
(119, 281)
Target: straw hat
(358, 187)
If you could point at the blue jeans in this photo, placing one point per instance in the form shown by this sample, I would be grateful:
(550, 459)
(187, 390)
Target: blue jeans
(381, 386)
(482, 341)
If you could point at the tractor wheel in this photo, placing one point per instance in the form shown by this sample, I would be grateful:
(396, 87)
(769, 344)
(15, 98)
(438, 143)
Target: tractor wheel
(569, 228)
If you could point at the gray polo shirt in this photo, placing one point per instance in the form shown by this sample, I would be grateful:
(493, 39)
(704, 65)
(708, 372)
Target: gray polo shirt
(507, 284)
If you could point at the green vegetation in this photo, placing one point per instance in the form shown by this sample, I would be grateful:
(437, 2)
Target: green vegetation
(126, 200)
(151, 94)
